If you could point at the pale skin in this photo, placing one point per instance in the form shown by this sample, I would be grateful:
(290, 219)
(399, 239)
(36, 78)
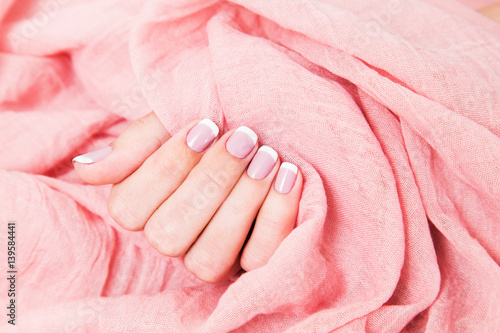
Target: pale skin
(492, 12)
(155, 177)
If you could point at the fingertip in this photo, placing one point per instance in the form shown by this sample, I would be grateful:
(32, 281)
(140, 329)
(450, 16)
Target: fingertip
(100, 167)
(276, 218)
(115, 162)
(299, 183)
(250, 262)
(288, 178)
(200, 135)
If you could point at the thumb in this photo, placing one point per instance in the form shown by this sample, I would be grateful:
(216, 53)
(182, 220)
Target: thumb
(112, 164)
(492, 11)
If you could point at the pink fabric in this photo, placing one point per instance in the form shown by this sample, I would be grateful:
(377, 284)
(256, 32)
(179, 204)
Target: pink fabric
(390, 109)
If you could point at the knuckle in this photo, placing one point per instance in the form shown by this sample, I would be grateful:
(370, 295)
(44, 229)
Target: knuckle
(144, 125)
(173, 170)
(203, 194)
(162, 240)
(250, 261)
(141, 123)
(215, 178)
(236, 203)
(201, 269)
(121, 212)
(270, 221)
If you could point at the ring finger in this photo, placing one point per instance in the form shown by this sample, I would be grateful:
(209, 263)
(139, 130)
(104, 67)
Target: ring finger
(212, 256)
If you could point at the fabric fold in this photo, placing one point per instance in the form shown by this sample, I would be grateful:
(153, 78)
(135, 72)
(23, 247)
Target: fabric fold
(390, 109)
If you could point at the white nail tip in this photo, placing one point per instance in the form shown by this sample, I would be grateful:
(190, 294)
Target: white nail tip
(249, 132)
(211, 124)
(83, 159)
(93, 156)
(270, 151)
(289, 166)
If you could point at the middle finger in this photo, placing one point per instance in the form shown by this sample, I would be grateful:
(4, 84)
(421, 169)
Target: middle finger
(176, 224)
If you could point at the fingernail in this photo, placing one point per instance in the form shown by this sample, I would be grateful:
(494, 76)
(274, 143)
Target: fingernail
(241, 143)
(202, 135)
(286, 177)
(262, 163)
(93, 156)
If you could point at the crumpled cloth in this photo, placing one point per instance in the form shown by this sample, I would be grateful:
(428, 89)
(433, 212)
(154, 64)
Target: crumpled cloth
(390, 109)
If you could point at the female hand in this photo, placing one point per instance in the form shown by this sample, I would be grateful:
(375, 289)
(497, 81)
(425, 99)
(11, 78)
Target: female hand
(197, 195)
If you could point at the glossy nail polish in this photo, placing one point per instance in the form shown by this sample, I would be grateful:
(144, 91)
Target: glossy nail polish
(262, 163)
(93, 156)
(201, 136)
(241, 143)
(285, 178)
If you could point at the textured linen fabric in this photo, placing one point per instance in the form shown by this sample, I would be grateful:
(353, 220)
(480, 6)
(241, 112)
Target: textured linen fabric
(390, 109)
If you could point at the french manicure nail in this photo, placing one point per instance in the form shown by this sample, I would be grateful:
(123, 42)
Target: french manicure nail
(93, 156)
(241, 143)
(286, 177)
(202, 135)
(262, 163)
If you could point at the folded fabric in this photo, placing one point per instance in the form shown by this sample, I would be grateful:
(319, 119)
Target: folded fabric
(390, 109)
